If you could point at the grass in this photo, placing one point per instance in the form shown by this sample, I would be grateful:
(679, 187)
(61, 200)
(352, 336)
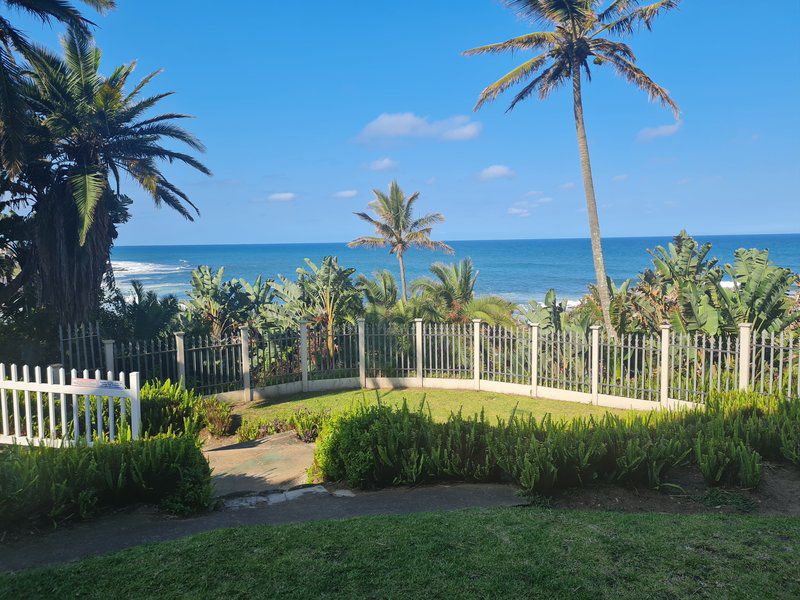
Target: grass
(516, 552)
(440, 402)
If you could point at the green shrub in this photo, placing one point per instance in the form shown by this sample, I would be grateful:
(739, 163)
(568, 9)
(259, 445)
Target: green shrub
(41, 485)
(170, 408)
(217, 416)
(379, 445)
(305, 423)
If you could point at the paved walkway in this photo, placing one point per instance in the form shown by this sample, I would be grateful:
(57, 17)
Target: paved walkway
(144, 525)
(276, 462)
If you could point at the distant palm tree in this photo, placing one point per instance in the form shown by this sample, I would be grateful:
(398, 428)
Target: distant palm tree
(397, 227)
(12, 103)
(450, 296)
(380, 293)
(575, 38)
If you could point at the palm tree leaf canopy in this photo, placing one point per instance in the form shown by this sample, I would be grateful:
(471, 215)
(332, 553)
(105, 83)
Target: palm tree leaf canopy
(575, 39)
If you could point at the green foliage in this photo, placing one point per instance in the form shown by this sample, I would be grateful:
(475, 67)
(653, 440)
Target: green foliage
(41, 485)
(169, 407)
(306, 423)
(142, 316)
(377, 445)
(217, 416)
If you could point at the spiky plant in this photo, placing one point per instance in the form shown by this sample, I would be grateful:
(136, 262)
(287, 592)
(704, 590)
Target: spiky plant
(397, 227)
(88, 132)
(578, 33)
(13, 117)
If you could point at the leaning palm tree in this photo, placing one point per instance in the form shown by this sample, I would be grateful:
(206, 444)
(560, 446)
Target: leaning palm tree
(13, 41)
(574, 38)
(91, 134)
(397, 227)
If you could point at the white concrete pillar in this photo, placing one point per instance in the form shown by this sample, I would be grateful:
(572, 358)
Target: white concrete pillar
(180, 354)
(362, 353)
(108, 352)
(304, 355)
(476, 346)
(666, 329)
(419, 350)
(745, 339)
(534, 359)
(247, 387)
(595, 389)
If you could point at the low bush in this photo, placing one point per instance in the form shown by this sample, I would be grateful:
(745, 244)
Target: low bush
(307, 424)
(217, 416)
(170, 408)
(49, 485)
(376, 446)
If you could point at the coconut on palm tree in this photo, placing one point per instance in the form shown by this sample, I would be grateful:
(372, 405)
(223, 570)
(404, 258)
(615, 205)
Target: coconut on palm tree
(13, 107)
(397, 227)
(89, 134)
(577, 35)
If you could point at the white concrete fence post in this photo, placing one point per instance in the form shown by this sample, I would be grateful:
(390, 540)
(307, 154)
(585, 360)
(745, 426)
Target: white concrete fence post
(534, 359)
(180, 356)
(595, 364)
(362, 353)
(247, 386)
(304, 355)
(666, 329)
(476, 352)
(136, 407)
(418, 350)
(745, 338)
(108, 352)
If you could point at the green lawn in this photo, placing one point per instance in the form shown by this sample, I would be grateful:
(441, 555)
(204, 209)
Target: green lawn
(440, 402)
(512, 553)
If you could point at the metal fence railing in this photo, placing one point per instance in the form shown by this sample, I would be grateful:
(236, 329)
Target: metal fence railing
(390, 349)
(447, 350)
(701, 364)
(213, 365)
(565, 361)
(506, 354)
(631, 366)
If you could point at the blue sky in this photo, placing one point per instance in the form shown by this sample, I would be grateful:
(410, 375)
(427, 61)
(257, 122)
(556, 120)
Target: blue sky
(305, 107)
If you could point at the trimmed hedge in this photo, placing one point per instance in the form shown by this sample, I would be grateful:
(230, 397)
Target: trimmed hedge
(40, 485)
(377, 446)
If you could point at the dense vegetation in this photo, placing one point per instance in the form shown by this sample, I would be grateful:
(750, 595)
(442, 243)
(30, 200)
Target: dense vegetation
(380, 445)
(43, 486)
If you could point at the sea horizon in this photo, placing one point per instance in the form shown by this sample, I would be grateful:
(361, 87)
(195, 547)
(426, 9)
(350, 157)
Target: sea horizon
(516, 269)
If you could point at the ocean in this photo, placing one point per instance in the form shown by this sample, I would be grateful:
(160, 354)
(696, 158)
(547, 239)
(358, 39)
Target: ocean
(519, 270)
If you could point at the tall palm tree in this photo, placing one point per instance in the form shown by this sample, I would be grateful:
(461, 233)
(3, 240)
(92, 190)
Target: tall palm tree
(90, 131)
(397, 227)
(12, 40)
(562, 51)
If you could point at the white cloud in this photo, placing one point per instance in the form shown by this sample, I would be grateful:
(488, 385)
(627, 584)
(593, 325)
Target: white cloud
(650, 133)
(569, 185)
(399, 125)
(621, 177)
(534, 194)
(382, 164)
(519, 211)
(282, 197)
(497, 172)
(431, 181)
(523, 208)
(346, 194)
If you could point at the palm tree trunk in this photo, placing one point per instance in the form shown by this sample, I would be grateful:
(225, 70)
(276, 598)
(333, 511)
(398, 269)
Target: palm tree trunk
(402, 275)
(591, 205)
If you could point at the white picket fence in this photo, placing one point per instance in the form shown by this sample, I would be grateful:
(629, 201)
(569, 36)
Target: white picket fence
(50, 411)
